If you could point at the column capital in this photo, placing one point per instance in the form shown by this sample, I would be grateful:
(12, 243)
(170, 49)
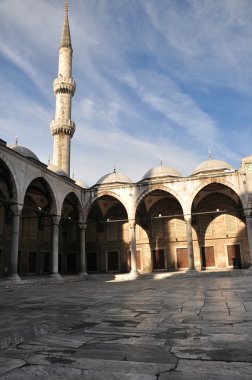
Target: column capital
(56, 219)
(188, 218)
(16, 208)
(132, 224)
(82, 225)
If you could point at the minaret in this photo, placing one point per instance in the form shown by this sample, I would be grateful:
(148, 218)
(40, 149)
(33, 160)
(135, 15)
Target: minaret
(62, 127)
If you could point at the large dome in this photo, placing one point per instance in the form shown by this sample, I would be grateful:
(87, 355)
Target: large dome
(211, 166)
(24, 151)
(80, 183)
(113, 178)
(161, 171)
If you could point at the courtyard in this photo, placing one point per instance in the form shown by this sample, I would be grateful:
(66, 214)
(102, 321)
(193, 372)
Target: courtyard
(180, 327)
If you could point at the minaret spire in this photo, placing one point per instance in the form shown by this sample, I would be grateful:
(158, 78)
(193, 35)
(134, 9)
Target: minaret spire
(65, 36)
(62, 127)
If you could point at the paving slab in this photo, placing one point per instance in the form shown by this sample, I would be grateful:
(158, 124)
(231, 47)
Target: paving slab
(166, 328)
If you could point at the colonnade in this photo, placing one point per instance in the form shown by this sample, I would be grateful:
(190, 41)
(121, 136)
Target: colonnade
(15, 227)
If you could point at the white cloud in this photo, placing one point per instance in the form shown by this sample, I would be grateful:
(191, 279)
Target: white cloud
(137, 65)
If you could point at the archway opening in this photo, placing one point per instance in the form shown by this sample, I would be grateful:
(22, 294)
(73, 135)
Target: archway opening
(220, 233)
(107, 236)
(35, 241)
(69, 236)
(160, 232)
(7, 198)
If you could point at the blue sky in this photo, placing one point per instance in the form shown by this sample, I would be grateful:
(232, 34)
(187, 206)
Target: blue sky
(155, 79)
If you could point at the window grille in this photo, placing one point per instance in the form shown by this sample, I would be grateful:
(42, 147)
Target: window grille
(231, 223)
(180, 227)
(157, 228)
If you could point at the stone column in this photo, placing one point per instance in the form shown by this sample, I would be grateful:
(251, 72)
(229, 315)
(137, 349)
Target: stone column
(55, 250)
(190, 252)
(13, 273)
(83, 272)
(134, 272)
(249, 232)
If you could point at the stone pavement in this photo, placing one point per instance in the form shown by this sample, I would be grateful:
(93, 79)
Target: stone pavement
(171, 328)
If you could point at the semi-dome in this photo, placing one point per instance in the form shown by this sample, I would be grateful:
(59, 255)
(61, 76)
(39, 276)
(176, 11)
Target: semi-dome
(57, 170)
(24, 151)
(211, 166)
(161, 171)
(113, 178)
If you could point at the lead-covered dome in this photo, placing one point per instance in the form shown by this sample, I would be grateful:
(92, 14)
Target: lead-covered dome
(113, 178)
(161, 171)
(211, 166)
(80, 183)
(24, 152)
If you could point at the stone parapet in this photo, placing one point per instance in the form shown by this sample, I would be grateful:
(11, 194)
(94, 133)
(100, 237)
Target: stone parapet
(62, 126)
(64, 86)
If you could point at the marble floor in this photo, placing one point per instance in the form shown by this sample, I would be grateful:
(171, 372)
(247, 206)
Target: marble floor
(148, 329)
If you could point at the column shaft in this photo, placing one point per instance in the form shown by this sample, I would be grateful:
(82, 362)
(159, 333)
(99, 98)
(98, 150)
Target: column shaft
(55, 250)
(189, 245)
(134, 271)
(14, 243)
(83, 251)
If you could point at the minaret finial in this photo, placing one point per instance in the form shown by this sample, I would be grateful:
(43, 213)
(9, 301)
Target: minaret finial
(66, 6)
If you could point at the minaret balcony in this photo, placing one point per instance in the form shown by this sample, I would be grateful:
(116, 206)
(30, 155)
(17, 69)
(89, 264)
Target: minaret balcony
(62, 126)
(64, 85)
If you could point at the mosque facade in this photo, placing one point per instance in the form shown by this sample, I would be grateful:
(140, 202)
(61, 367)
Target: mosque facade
(52, 224)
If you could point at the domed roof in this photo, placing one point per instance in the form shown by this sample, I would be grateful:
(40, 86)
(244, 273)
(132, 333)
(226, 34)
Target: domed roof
(161, 171)
(81, 184)
(57, 170)
(24, 151)
(210, 166)
(113, 178)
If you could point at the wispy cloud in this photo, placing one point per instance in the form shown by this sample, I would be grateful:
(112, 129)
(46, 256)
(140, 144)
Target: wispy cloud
(150, 80)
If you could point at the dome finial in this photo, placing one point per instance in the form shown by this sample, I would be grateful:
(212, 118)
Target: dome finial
(114, 171)
(161, 162)
(73, 175)
(49, 160)
(209, 153)
(16, 141)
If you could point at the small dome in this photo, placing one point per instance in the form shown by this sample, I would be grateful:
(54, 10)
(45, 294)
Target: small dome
(211, 166)
(80, 183)
(161, 171)
(57, 170)
(113, 178)
(24, 151)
